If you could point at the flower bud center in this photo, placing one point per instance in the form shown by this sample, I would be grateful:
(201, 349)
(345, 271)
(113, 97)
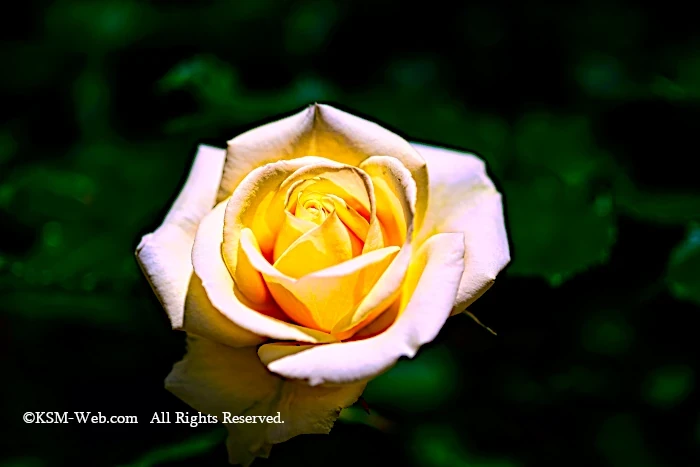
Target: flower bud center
(314, 206)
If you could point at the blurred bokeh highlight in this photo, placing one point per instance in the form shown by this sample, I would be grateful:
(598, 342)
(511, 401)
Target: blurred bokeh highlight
(587, 114)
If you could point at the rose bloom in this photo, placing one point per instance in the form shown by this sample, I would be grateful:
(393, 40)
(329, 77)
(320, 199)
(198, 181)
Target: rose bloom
(307, 258)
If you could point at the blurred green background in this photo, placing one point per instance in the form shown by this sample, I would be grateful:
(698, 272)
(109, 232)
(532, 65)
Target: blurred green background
(588, 115)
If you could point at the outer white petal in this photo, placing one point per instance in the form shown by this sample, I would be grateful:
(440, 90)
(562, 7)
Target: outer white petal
(165, 255)
(432, 284)
(215, 379)
(464, 199)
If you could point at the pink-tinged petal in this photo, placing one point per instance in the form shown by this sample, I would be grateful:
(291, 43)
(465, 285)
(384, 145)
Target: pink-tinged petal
(464, 199)
(165, 255)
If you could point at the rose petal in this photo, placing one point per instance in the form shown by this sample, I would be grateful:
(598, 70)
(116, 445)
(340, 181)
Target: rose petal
(202, 319)
(164, 255)
(321, 298)
(464, 199)
(256, 205)
(357, 224)
(329, 178)
(320, 130)
(339, 132)
(217, 379)
(379, 324)
(291, 230)
(250, 283)
(272, 352)
(259, 201)
(221, 290)
(326, 245)
(396, 194)
(431, 284)
(395, 191)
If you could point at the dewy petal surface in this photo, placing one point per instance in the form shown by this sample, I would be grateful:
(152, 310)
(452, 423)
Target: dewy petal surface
(214, 379)
(221, 289)
(165, 255)
(432, 285)
(464, 199)
(320, 130)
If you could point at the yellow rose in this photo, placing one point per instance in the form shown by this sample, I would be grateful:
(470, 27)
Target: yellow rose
(307, 258)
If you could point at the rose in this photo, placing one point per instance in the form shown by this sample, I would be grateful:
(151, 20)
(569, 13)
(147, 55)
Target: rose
(308, 258)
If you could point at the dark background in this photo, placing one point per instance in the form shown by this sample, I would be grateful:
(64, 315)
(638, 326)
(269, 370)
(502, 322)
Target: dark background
(588, 115)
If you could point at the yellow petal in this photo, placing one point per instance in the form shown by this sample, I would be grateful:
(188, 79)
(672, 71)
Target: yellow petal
(381, 323)
(219, 380)
(327, 295)
(253, 205)
(464, 199)
(349, 183)
(376, 236)
(260, 199)
(202, 319)
(351, 218)
(251, 283)
(394, 183)
(306, 215)
(345, 135)
(332, 293)
(272, 352)
(395, 191)
(363, 205)
(223, 293)
(433, 284)
(378, 298)
(320, 130)
(291, 230)
(324, 246)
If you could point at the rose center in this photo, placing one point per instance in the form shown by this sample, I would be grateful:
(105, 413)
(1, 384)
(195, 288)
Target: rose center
(314, 207)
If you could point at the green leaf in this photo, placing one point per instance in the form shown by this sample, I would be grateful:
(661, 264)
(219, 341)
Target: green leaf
(578, 380)
(97, 26)
(186, 449)
(439, 120)
(225, 102)
(88, 221)
(621, 442)
(684, 84)
(555, 230)
(604, 76)
(559, 225)
(422, 384)
(559, 145)
(439, 446)
(668, 386)
(607, 333)
(308, 26)
(8, 146)
(683, 271)
(659, 207)
(23, 462)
